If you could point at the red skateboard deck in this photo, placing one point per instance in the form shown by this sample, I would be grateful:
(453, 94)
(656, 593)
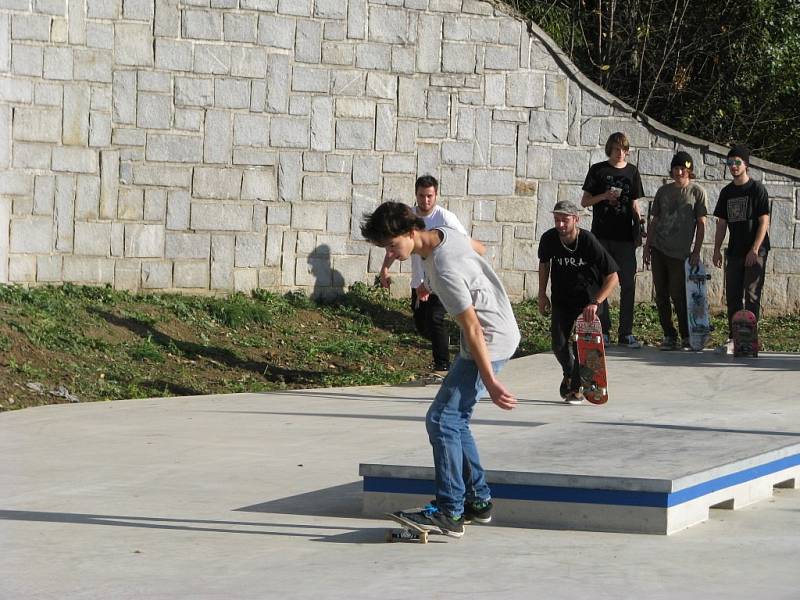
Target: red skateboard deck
(592, 360)
(744, 330)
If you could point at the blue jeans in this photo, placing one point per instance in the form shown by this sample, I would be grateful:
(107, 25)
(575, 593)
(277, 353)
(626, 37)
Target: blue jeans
(459, 474)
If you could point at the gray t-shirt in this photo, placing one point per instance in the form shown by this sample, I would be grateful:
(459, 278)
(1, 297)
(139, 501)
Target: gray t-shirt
(677, 210)
(462, 278)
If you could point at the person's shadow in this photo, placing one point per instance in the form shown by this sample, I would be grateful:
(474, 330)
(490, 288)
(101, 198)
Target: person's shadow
(328, 282)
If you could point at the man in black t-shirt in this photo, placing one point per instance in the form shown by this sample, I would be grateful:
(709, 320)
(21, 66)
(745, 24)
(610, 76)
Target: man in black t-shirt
(582, 274)
(611, 188)
(742, 209)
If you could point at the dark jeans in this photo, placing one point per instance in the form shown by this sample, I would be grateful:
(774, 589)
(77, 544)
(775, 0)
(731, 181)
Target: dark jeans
(563, 342)
(624, 253)
(744, 282)
(669, 281)
(429, 320)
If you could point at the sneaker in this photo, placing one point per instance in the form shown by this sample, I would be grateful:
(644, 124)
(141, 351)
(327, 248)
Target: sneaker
(574, 397)
(441, 367)
(630, 341)
(726, 348)
(669, 343)
(685, 344)
(448, 525)
(419, 518)
(563, 389)
(478, 512)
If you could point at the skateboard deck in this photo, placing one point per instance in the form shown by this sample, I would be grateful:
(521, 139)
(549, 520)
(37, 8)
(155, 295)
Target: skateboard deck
(744, 330)
(697, 305)
(409, 532)
(592, 360)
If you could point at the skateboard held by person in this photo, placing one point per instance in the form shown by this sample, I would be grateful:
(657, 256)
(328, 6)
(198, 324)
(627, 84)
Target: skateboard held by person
(744, 331)
(592, 360)
(697, 305)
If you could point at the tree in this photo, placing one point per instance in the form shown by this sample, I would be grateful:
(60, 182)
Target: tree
(720, 70)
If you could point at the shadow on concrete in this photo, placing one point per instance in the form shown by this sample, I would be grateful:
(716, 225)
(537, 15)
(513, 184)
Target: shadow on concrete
(420, 419)
(343, 501)
(766, 361)
(315, 533)
(201, 525)
(695, 428)
(332, 394)
(335, 394)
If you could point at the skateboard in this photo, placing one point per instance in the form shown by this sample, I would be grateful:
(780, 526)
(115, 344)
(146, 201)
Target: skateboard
(744, 330)
(409, 532)
(592, 360)
(697, 305)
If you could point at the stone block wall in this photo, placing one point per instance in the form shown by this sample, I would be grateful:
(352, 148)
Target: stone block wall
(225, 145)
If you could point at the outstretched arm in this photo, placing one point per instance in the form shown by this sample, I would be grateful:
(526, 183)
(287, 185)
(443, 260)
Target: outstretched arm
(473, 332)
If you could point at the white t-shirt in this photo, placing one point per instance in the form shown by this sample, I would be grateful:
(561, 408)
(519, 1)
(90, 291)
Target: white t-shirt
(439, 217)
(462, 278)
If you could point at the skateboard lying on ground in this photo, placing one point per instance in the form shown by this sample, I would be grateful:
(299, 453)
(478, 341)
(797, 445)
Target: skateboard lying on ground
(592, 360)
(409, 532)
(697, 305)
(744, 330)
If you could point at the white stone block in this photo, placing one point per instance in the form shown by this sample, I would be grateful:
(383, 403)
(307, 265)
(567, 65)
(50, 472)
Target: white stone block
(92, 239)
(133, 44)
(31, 235)
(259, 185)
(249, 251)
(211, 182)
(190, 274)
(221, 216)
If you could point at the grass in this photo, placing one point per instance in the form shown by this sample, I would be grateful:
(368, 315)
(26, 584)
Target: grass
(103, 344)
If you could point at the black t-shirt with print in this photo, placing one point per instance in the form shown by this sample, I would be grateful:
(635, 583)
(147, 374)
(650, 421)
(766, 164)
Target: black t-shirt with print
(577, 271)
(613, 222)
(741, 206)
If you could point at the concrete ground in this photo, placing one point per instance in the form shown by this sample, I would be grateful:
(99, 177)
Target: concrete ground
(258, 495)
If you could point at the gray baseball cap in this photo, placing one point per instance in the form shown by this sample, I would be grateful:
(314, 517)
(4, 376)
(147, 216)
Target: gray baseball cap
(567, 207)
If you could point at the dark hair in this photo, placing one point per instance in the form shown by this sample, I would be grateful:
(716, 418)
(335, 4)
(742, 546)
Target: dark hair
(617, 139)
(426, 181)
(390, 220)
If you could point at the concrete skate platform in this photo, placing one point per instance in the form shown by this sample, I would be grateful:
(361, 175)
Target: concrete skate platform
(257, 495)
(591, 474)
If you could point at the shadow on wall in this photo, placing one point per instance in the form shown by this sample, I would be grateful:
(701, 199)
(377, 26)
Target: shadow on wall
(328, 282)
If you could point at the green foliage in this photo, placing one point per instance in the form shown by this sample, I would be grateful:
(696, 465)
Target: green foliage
(724, 71)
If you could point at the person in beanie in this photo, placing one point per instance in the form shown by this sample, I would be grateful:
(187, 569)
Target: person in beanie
(474, 296)
(612, 188)
(742, 211)
(676, 231)
(582, 274)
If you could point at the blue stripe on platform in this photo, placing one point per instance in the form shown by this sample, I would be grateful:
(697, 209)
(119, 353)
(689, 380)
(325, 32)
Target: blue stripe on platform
(547, 493)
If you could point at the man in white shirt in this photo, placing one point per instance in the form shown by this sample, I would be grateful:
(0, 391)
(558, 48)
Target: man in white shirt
(429, 313)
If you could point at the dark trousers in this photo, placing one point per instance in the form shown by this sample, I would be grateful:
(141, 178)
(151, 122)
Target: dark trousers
(744, 282)
(563, 342)
(429, 321)
(669, 281)
(624, 253)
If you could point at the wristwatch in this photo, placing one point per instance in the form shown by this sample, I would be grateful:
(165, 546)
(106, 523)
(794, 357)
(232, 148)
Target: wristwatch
(594, 301)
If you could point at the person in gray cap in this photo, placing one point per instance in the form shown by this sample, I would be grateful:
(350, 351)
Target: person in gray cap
(743, 210)
(678, 218)
(582, 274)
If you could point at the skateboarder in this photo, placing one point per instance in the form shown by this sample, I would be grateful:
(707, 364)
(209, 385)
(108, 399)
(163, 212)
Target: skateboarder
(612, 188)
(678, 216)
(742, 210)
(429, 313)
(582, 274)
(474, 296)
